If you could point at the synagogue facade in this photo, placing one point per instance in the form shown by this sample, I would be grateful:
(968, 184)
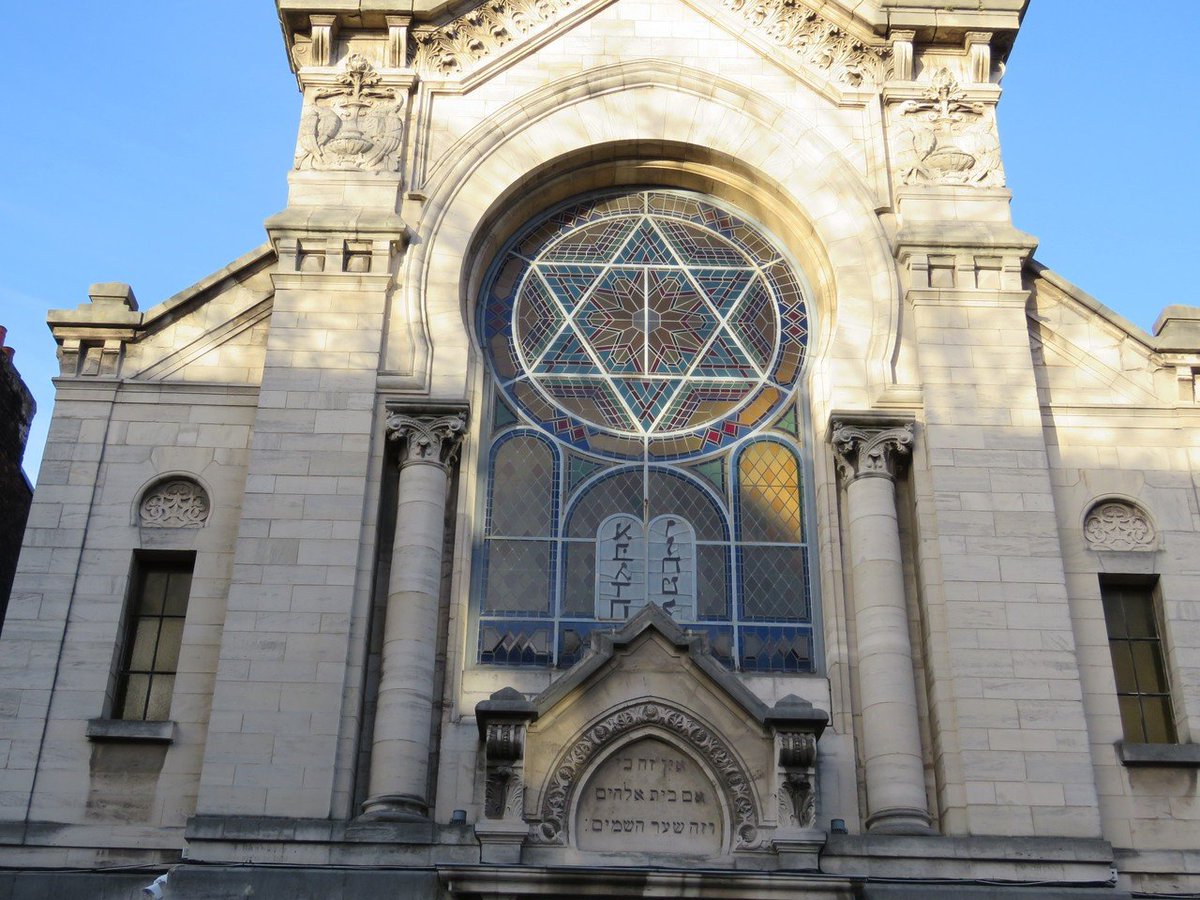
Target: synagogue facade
(643, 460)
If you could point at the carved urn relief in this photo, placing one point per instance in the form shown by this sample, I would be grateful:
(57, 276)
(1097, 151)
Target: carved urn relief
(649, 748)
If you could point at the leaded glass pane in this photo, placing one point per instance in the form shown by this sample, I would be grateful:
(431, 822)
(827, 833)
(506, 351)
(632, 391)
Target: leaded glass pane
(523, 484)
(672, 493)
(512, 643)
(579, 582)
(518, 577)
(773, 582)
(617, 493)
(638, 331)
(769, 494)
(712, 576)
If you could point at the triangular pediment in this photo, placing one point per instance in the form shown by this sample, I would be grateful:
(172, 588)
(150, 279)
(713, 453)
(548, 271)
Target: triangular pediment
(1086, 353)
(826, 46)
(214, 331)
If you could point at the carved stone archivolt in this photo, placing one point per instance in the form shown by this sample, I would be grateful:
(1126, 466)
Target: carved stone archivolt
(1118, 525)
(672, 725)
(944, 137)
(354, 124)
(865, 451)
(178, 503)
(817, 43)
(432, 440)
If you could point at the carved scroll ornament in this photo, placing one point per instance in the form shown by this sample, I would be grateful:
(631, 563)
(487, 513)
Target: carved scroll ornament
(459, 46)
(433, 440)
(1118, 525)
(731, 777)
(817, 43)
(354, 125)
(944, 138)
(871, 451)
(178, 503)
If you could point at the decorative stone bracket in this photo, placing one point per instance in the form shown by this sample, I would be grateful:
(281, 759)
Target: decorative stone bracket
(503, 720)
(797, 726)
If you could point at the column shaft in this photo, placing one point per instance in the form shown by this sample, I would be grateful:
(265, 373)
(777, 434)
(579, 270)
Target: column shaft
(891, 738)
(404, 710)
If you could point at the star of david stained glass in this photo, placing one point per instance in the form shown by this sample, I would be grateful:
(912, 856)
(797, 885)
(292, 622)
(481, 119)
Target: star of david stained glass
(646, 348)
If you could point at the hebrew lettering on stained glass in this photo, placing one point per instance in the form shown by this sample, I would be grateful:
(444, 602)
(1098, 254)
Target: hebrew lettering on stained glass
(635, 567)
(672, 562)
(620, 567)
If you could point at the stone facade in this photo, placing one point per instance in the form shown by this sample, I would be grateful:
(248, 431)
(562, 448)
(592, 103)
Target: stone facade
(980, 464)
(16, 414)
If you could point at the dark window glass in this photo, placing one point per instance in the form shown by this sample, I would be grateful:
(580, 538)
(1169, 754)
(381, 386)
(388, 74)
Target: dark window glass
(1143, 693)
(158, 607)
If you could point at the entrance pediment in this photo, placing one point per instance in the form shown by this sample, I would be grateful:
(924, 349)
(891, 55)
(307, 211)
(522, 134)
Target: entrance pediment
(648, 747)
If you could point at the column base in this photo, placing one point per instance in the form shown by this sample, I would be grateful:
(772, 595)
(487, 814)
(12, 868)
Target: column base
(899, 821)
(395, 808)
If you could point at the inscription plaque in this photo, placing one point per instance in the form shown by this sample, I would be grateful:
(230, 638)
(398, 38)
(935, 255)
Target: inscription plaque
(650, 796)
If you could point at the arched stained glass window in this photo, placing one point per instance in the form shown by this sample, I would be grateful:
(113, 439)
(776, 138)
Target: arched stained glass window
(645, 348)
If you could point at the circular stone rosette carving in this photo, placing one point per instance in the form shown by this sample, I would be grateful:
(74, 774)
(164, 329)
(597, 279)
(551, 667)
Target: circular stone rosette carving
(177, 503)
(1118, 525)
(732, 778)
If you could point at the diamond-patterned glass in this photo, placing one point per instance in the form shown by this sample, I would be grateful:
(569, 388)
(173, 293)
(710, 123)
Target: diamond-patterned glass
(523, 486)
(769, 494)
(618, 493)
(774, 583)
(636, 331)
(517, 577)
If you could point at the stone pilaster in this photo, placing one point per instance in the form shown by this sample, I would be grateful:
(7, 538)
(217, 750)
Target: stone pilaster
(868, 459)
(404, 713)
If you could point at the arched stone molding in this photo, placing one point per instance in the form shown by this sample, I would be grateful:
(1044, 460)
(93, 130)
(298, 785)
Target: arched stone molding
(1118, 524)
(172, 500)
(649, 718)
(690, 130)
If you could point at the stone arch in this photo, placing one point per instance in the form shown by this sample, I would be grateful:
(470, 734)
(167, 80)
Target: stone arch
(175, 500)
(692, 131)
(1116, 523)
(659, 719)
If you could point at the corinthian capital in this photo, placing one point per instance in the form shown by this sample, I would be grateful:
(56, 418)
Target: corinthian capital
(864, 451)
(431, 439)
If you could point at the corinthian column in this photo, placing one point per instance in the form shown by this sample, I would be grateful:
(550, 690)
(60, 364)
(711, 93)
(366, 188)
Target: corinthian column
(403, 716)
(868, 458)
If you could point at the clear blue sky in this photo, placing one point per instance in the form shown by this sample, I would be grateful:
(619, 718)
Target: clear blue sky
(147, 142)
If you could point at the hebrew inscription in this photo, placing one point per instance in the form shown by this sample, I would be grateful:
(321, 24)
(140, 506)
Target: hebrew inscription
(636, 566)
(651, 797)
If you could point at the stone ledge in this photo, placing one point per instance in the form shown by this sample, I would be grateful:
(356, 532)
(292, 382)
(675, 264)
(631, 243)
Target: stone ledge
(1057, 861)
(131, 731)
(1159, 755)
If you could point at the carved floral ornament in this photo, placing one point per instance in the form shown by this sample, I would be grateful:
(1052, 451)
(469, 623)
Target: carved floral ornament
(863, 451)
(1118, 525)
(430, 439)
(463, 44)
(943, 137)
(680, 727)
(354, 124)
(177, 503)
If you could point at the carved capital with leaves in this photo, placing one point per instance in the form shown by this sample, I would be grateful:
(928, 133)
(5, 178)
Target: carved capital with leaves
(864, 451)
(429, 440)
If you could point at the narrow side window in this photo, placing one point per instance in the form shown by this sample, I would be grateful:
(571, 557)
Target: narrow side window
(1143, 689)
(157, 608)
